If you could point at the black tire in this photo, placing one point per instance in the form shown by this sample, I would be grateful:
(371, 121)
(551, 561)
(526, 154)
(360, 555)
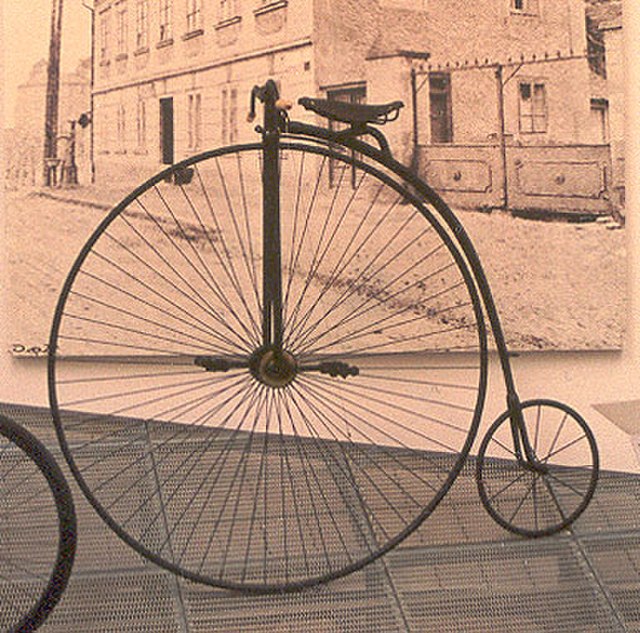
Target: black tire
(532, 503)
(157, 332)
(38, 529)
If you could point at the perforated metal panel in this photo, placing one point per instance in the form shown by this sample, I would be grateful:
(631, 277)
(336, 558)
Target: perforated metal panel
(458, 572)
(117, 601)
(359, 602)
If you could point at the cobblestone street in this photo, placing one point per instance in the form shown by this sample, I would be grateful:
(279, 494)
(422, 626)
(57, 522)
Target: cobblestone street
(557, 285)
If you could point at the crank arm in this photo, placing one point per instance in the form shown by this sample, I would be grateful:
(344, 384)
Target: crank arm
(219, 364)
(332, 368)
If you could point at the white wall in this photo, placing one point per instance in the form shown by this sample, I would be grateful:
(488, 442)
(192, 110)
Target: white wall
(581, 379)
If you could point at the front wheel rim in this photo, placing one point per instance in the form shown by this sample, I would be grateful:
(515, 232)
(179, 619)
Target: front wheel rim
(269, 393)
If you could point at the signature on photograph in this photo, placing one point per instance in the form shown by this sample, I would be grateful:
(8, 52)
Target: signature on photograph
(18, 349)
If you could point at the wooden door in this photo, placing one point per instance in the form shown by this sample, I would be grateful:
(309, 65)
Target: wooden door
(440, 108)
(166, 131)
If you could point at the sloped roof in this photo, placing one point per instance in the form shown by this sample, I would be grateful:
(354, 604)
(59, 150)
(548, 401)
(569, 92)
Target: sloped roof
(605, 13)
(401, 32)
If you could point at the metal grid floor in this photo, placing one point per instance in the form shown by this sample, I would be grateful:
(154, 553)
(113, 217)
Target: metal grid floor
(458, 572)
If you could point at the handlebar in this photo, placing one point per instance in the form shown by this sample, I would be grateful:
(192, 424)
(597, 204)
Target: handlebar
(270, 96)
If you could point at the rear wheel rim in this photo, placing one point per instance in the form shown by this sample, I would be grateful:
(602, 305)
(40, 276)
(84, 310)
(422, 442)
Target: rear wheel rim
(533, 503)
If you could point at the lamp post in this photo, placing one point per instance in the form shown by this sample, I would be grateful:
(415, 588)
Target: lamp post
(52, 96)
(70, 175)
(502, 135)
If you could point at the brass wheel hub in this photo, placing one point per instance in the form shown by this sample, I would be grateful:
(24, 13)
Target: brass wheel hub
(274, 368)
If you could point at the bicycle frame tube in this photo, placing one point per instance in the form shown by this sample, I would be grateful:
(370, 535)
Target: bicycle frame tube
(272, 274)
(383, 156)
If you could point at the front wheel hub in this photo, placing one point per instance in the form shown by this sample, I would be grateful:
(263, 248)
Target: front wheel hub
(274, 368)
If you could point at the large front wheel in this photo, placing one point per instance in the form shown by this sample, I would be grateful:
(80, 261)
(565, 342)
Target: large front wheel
(268, 467)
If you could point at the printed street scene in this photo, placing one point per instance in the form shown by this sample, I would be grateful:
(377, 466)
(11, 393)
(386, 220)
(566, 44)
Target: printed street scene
(513, 113)
(275, 257)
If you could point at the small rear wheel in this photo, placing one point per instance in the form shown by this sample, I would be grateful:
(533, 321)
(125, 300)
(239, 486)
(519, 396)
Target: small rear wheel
(538, 502)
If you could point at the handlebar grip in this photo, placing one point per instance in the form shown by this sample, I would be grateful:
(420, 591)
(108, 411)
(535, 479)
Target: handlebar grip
(284, 104)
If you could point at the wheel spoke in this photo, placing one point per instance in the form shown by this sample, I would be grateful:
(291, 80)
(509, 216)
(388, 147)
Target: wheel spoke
(333, 430)
(384, 295)
(580, 493)
(552, 494)
(564, 448)
(502, 490)
(522, 501)
(199, 301)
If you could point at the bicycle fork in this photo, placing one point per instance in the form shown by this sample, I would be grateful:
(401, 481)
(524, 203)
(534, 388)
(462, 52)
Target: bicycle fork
(524, 451)
(271, 363)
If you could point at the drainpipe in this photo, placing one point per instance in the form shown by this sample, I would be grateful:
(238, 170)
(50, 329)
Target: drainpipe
(502, 141)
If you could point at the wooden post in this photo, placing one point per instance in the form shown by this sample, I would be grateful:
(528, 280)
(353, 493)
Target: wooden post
(52, 95)
(415, 163)
(71, 168)
(92, 164)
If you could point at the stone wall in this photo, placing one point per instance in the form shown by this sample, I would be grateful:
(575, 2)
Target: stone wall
(540, 179)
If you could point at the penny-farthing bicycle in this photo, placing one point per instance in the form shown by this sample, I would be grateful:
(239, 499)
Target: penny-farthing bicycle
(37, 530)
(269, 362)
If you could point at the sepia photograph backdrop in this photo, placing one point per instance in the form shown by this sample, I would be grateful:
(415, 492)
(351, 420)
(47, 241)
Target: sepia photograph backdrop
(513, 112)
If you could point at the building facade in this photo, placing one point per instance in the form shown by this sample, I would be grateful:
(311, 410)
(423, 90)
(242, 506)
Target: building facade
(174, 76)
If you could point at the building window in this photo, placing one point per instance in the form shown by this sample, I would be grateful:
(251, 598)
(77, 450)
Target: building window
(141, 125)
(229, 115)
(233, 116)
(356, 94)
(194, 10)
(595, 49)
(228, 10)
(104, 36)
(533, 107)
(527, 7)
(223, 108)
(195, 120)
(600, 119)
(142, 24)
(165, 20)
(121, 129)
(121, 28)
(103, 126)
(440, 111)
